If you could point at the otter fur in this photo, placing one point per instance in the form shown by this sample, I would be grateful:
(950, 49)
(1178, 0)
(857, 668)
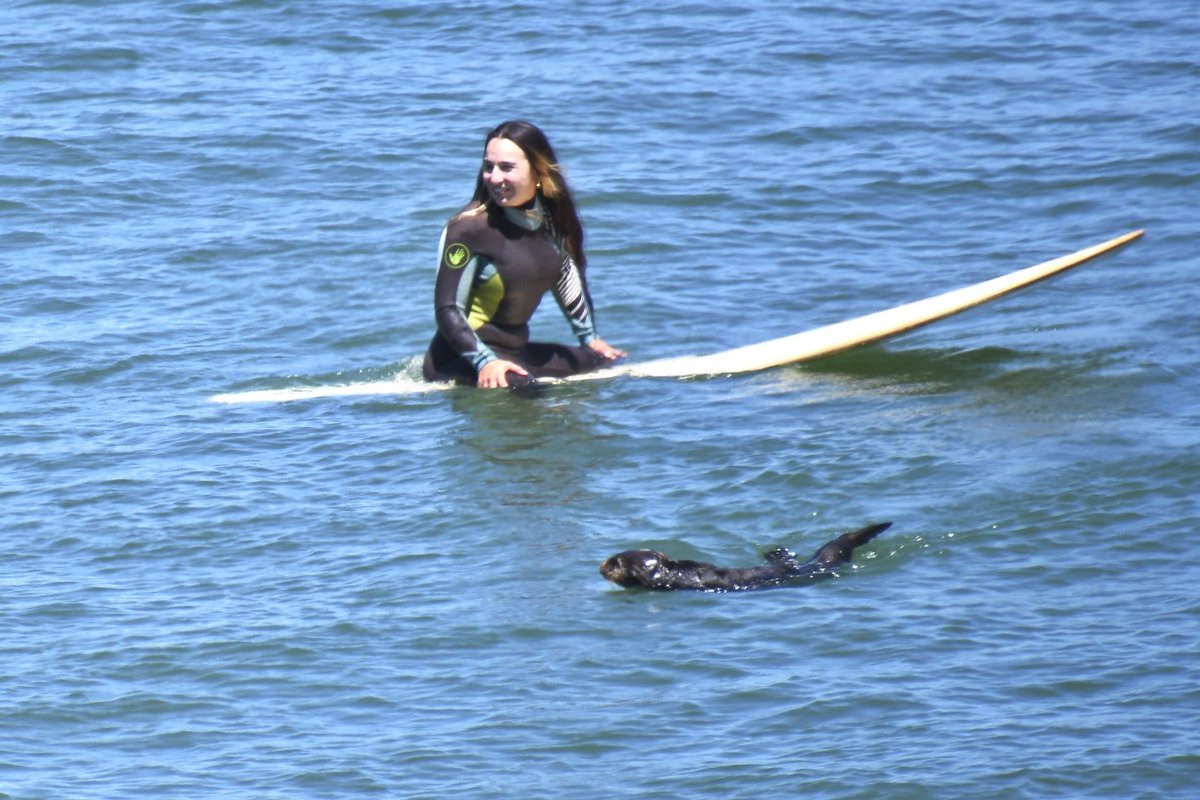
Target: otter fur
(650, 569)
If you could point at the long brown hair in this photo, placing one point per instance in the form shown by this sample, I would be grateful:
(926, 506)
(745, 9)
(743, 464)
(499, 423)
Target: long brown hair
(553, 189)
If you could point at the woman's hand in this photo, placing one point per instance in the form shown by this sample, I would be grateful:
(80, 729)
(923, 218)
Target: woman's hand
(494, 374)
(605, 350)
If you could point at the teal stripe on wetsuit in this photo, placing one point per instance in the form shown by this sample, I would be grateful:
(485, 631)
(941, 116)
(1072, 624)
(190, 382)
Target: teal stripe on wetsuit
(477, 270)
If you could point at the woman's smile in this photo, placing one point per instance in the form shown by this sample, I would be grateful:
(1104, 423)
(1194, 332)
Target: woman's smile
(507, 174)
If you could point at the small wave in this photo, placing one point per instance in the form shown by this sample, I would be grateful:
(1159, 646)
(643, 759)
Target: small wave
(400, 386)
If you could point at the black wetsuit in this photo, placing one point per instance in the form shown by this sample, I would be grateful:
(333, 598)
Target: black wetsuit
(496, 265)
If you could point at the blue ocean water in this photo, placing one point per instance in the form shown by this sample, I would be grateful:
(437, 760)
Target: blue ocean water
(398, 596)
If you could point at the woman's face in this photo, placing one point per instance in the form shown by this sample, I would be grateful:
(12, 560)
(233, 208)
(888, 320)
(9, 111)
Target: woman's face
(507, 173)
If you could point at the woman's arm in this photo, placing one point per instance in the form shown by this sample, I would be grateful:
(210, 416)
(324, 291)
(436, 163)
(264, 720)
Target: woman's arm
(457, 270)
(573, 298)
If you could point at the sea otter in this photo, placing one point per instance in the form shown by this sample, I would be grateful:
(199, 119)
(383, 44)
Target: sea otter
(651, 569)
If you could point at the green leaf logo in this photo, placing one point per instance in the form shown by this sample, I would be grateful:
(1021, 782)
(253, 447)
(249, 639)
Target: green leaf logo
(457, 256)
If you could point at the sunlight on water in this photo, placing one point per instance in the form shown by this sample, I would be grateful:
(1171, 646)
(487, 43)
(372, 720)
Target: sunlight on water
(391, 590)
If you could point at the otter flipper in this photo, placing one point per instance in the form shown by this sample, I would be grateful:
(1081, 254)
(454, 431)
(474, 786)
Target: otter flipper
(841, 549)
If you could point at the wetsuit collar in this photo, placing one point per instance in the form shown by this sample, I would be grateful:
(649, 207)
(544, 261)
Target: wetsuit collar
(530, 217)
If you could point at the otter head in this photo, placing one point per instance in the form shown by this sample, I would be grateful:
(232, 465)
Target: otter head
(634, 568)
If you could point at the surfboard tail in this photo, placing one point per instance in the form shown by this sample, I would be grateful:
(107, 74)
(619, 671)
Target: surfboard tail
(841, 549)
(839, 337)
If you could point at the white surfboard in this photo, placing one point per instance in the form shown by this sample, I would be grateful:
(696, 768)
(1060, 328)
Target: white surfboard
(839, 337)
(807, 346)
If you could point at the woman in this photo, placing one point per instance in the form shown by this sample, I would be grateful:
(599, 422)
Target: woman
(518, 238)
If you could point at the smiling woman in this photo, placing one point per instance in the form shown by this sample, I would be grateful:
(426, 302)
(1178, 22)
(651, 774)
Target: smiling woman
(508, 174)
(517, 239)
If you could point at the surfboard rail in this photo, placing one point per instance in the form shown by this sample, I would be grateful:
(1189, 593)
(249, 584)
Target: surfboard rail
(863, 330)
